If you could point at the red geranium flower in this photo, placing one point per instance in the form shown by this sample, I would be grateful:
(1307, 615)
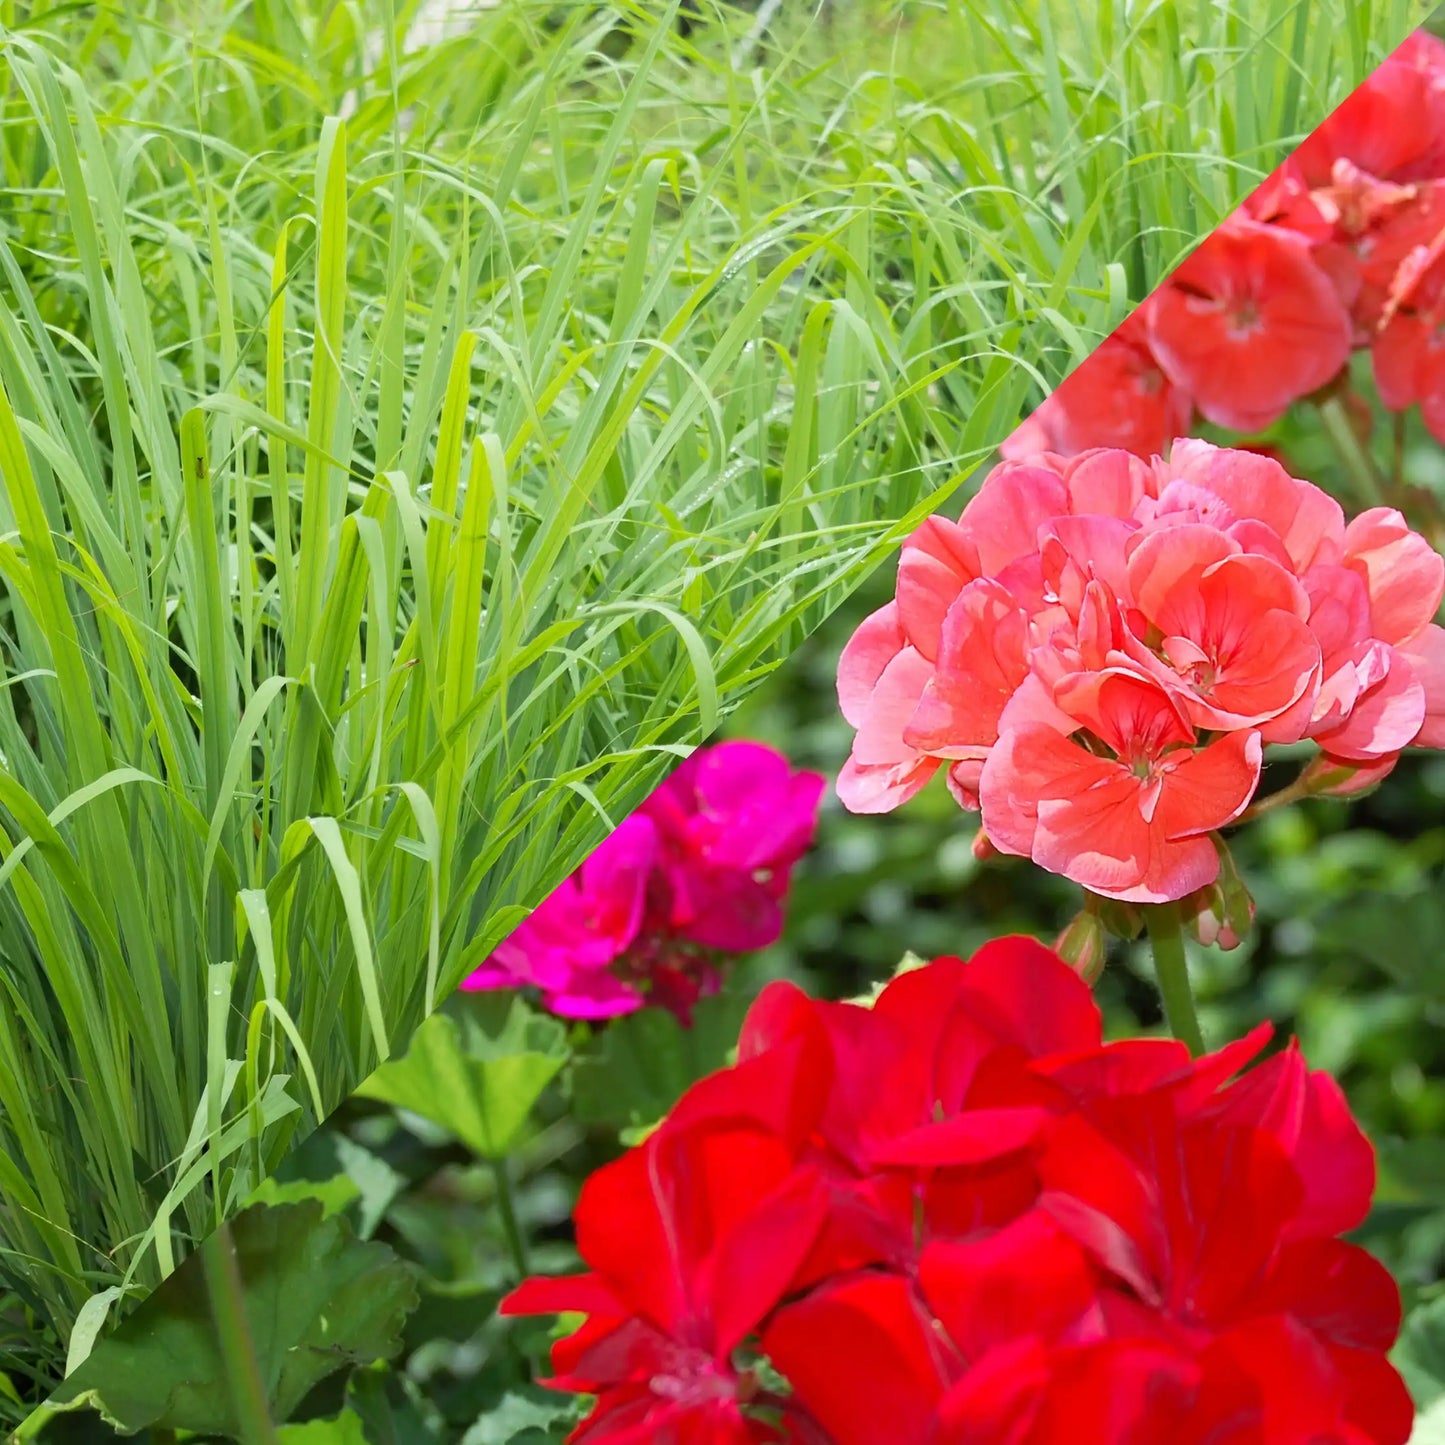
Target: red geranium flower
(692, 1239)
(1249, 324)
(958, 1217)
(1392, 126)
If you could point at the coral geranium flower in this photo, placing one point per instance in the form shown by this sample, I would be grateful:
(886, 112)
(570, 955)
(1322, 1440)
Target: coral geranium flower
(1230, 604)
(1408, 352)
(1425, 653)
(881, 678)
(1123, 803)
(1226, 629)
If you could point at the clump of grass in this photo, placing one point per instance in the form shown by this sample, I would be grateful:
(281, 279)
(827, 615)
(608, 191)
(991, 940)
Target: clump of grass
(385, 500)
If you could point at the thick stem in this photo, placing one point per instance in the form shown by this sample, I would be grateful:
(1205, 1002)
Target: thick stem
(1166, 939)
(508, 1210)
(233, 1337)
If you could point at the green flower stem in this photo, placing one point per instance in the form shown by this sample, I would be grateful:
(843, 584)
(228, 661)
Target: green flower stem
(508, 1210)
(233, 1337)
(1291, 794)
(1166, 938)
(1356, 458)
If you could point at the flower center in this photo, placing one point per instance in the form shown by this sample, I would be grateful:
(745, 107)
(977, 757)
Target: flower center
(1244, 316)
(1149, 382)
(1202, 676)
(697, 1378)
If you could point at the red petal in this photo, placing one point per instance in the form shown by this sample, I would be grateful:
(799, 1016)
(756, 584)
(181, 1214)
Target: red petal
(1026, 1279)
(859, 1357)
(1306, 1112)
(970, 1138)
(566, 1294)
(759, 1260)
(1027, 995)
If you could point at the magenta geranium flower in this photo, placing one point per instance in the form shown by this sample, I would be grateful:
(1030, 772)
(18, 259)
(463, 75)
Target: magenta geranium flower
(569, 948)
(731, 823)
(698, 874)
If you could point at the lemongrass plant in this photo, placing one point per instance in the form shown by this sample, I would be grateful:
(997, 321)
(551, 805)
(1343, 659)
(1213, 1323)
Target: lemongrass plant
(404, 451)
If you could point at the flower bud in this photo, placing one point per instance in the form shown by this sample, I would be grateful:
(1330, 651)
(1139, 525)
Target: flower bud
(1328, 777)
(1221, 913)
(1123, 920)
(1204, 913)
(983, 850)
(1084, 944)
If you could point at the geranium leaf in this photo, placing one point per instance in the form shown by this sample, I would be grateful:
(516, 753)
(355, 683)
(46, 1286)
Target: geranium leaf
(343, 1429)
(476, 1071)
(637, 1068)
(1384, 929)
(334, 1194)
(527, 1418)
(393, 1409)
(378, 1185)
(1420, 1354)
(1414, 1168)
(317, 1300)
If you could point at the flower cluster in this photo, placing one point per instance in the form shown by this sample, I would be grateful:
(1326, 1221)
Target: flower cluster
(1100, 648)
(957, 1217)
(698, 873)
(1342, 247)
